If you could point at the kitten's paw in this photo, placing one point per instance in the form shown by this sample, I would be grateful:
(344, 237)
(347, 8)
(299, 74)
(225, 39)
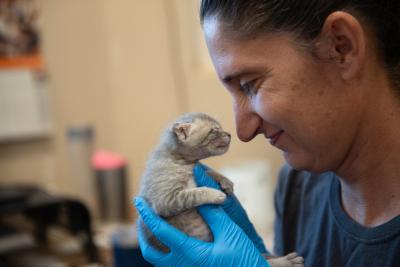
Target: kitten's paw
(227, 186)
(295, 259)
(224, 182)
(216, 196)
(290, 260)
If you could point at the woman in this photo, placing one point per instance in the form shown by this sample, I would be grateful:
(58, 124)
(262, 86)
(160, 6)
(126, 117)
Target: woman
(321, 80)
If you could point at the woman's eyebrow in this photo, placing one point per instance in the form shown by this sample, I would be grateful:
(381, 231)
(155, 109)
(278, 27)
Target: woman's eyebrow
(242, 72)
(228, 78)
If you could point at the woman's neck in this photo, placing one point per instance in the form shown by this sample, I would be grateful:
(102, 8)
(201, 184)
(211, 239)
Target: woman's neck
(372, 201)
(370, 175)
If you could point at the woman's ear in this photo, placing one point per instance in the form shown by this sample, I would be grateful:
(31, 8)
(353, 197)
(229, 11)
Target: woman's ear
(342, 40)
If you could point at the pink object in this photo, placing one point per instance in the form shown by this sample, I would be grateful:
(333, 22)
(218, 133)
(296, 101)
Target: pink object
(105, 160)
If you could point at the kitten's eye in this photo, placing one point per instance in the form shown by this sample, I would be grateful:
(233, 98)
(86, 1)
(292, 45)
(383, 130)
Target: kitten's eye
(212, 133)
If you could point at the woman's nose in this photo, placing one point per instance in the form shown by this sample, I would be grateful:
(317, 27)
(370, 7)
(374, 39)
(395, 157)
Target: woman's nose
(248, 123)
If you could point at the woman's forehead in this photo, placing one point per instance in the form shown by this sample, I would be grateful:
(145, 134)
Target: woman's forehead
(233, 57)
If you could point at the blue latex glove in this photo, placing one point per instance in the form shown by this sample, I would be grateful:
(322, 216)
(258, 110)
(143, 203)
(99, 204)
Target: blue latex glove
(231, 246)
(232, 207)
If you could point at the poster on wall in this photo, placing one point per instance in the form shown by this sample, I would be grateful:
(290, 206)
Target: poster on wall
(19, 34)
(23, 87)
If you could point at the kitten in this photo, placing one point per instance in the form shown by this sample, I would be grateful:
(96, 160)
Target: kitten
(168, 185)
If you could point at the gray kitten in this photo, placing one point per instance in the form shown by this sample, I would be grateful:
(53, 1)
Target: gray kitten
(168, 185)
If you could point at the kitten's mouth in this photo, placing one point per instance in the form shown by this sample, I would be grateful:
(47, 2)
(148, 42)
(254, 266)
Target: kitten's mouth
(223, 145)
(223, 142)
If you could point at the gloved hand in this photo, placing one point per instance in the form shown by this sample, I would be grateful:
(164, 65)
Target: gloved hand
(232, 207)
(231, 246)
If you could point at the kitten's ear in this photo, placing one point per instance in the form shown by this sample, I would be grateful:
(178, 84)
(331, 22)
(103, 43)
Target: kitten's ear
(182, 130)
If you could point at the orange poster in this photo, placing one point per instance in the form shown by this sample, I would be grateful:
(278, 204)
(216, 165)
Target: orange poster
(19, 35)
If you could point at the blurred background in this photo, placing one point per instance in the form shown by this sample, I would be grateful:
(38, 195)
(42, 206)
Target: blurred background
(80, 78)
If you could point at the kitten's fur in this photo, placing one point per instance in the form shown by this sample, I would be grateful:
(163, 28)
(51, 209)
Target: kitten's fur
(168, 185)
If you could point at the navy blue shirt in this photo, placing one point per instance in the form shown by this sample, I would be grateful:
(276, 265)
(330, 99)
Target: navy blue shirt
(311, 221)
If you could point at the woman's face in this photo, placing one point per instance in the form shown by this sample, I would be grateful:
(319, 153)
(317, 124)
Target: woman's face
(300, 104)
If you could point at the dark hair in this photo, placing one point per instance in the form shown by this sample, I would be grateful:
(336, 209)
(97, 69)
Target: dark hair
(305, 18)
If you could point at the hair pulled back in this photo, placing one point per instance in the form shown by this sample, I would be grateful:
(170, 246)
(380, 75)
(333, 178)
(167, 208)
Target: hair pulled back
(305, 18)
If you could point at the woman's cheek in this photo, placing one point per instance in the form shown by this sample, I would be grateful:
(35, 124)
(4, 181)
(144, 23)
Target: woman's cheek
(272, 110)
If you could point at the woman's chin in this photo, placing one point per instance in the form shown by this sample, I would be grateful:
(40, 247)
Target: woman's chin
(303, 163)
(297, 162)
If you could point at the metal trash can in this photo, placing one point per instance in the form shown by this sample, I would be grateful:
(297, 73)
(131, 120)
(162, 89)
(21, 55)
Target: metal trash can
(80, 143)
(110, 172)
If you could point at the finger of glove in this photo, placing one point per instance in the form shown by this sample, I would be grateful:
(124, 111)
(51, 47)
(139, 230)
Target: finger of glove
(150, 253)
(238, 214)
(231, 205)
(167, 234)
(202, 178)
(258, 242)
(216, 218)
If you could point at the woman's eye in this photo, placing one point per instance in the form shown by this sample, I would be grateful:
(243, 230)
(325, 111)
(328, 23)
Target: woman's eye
(247, 87)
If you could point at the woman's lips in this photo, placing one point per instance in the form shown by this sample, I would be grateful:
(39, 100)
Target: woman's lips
(274, 138)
